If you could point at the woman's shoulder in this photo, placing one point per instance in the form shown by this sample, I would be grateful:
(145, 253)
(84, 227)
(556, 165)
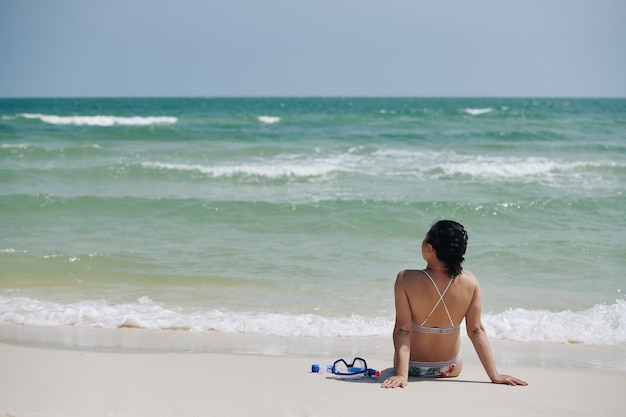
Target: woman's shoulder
(411, 278)
(468, 278)
(409, 273)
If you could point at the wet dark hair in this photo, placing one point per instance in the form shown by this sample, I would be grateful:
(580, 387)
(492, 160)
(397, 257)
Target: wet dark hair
(449, 239)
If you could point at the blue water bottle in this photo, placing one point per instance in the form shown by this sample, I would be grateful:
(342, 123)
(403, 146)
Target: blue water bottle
(321, 369)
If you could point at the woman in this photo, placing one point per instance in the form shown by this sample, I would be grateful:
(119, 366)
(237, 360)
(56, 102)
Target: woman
(430, 306)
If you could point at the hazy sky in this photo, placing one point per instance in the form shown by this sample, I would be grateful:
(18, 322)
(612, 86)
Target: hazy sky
(558, 48)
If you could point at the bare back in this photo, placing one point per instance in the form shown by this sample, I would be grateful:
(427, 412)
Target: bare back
(424, 308)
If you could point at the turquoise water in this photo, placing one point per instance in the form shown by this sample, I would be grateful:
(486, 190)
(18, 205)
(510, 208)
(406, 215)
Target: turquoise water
(292, 216)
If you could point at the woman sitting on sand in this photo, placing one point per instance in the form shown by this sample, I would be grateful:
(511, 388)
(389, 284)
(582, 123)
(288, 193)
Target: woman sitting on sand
(430, 306)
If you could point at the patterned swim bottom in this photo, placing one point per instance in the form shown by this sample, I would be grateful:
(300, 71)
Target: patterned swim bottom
(433, 369)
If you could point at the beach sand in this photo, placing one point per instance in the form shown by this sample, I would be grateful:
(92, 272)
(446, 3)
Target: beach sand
(40, 377)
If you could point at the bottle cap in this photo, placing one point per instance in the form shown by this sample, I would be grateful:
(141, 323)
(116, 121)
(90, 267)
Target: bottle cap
(315, 368)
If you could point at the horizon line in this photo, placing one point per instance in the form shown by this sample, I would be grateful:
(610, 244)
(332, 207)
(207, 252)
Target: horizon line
(556, 97)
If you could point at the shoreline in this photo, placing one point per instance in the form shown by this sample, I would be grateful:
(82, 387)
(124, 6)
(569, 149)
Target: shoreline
(137, 341)
(236, 375)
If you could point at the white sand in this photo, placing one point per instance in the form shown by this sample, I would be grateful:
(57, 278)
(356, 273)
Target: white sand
(42, 381)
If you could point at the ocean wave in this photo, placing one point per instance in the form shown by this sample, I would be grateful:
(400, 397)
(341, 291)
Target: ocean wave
(420, 166)
(603, 324)
(437, 165)
(272, 169)
(48, 148)
(544, 171)
(146, 314)
(476, 112)
(15, 146)
(101, 120)
(502, 167)
(269, 119)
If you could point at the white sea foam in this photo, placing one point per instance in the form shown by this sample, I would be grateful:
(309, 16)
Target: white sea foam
(476, 112)
(8, 250)
(532, 168)
(400, 163)
(603, 324)
(546, 171)
(101, 120)
(502, 167)
(435, 165)
(15, 146)
(269, 119)
(147, 314)
(273, 169)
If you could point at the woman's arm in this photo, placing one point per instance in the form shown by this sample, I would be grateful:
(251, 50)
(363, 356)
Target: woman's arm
(401, 337)
(478, 336)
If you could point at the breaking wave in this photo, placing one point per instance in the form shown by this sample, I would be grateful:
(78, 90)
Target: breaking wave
(602, 324)
(100, 120)
(476, 112)
(269, 119)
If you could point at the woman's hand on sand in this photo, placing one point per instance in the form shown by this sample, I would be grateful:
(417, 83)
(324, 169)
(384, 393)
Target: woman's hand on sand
(508, 380)
(394, 382)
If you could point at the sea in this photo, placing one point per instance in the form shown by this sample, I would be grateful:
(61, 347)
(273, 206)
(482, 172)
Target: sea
(292, 216)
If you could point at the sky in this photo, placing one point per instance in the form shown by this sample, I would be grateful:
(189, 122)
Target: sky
(210, 48)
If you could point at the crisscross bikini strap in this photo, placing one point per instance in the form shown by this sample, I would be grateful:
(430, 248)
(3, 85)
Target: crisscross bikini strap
(441, 295)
